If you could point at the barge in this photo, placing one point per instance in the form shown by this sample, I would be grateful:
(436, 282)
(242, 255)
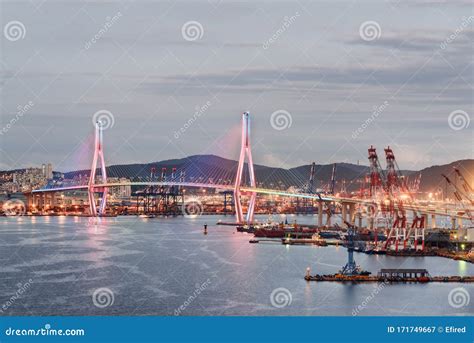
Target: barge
(390, 276)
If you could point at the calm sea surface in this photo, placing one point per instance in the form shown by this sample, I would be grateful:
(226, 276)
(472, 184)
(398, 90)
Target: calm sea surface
(167, 266)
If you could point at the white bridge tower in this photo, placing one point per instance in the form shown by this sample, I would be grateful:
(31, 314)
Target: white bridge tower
(98, 154)
(245, 150)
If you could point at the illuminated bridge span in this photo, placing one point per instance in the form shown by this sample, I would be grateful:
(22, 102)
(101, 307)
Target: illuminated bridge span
(244, 170)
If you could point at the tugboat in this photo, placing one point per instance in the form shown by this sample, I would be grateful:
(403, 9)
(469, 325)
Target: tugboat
(246, 228)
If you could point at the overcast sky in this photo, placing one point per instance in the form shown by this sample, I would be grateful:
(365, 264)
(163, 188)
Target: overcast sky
(344, 74)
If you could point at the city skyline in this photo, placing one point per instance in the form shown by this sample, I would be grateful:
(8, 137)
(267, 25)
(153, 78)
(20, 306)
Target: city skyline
(151, 68)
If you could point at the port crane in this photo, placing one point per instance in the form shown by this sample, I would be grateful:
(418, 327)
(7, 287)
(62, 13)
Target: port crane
(351, 268)
(460, 195)
(396, 187)
(376, 173)
(468, 191)
(377, 191)
(310, 188)
(392, 188)
(332, 185)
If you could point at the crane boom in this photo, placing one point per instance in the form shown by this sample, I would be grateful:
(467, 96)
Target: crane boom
(467, 187)
(460, 196)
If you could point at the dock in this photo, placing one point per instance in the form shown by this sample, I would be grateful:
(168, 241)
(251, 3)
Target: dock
(391, 276)
(304, 241)
(264, 240)
(363, 279)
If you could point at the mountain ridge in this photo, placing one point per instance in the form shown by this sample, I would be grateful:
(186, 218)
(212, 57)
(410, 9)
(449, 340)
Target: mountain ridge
(431, 178)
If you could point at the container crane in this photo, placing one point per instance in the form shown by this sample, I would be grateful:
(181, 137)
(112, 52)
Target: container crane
(332, 185)
(396, 185)
(460, 195)
(310, 188)
(466, 186)
(377, 175)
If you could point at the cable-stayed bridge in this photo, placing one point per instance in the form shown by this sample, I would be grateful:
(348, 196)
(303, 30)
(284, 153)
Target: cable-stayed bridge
(241, 182)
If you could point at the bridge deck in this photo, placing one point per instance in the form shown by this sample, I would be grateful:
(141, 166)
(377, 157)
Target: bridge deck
(316, 196)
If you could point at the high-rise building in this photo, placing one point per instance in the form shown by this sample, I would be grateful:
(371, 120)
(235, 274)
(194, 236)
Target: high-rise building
(49, 171)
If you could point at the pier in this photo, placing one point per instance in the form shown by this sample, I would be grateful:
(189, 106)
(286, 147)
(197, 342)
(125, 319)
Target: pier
(388, 279)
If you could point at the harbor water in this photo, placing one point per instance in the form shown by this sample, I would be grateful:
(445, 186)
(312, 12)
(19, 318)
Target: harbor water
(168, 266)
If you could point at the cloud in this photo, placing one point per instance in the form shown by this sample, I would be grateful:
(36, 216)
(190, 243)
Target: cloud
(430, 3)
(421, 41)
(319, 70)
(431, 76)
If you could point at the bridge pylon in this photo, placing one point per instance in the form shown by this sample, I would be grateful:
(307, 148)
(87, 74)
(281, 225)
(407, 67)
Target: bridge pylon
(245, 151)
(98, 154)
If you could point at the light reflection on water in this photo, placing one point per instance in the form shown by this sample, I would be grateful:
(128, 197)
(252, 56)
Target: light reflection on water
(152, 266)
